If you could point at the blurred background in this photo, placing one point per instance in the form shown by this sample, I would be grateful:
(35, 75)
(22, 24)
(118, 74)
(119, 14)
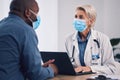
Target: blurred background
(57, 18)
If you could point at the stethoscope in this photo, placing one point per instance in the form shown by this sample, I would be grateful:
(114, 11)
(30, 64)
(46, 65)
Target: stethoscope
(93, 56)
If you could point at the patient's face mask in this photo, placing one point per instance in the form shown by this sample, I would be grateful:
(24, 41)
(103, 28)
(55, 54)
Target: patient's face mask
(80, 25)
(35, 23)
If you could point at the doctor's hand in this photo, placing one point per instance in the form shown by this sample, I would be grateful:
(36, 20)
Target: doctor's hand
(46, 64)
(86, 69)
(83, 69)
(78, 69)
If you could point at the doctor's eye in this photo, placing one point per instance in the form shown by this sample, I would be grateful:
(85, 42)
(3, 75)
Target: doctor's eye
(80, 17)
(75, 16)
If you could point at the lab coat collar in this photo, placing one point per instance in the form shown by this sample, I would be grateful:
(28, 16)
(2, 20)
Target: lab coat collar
(76, 33)
(94, 34)
(75, 36)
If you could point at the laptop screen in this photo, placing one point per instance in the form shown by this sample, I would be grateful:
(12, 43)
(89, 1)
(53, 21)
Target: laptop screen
(62, 61)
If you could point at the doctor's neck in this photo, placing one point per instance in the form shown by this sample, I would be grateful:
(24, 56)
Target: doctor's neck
(83, 35)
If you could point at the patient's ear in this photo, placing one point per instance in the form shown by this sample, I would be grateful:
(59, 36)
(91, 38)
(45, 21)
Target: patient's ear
(27, 13)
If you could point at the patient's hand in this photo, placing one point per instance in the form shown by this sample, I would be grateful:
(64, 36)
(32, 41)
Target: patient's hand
(55, 69)
(46, 64)
(83, 69)
(50, 64)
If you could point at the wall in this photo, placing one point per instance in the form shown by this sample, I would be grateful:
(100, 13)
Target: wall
(57, 17)
(108, 15)
(112, 18)
(48, 30)
(66, 16)
(4, 9)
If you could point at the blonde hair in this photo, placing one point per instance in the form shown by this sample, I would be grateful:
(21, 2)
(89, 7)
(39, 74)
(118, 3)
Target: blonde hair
(90, 11)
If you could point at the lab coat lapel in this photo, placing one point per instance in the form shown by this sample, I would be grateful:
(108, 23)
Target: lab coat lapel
(76, 53)
(88, 50)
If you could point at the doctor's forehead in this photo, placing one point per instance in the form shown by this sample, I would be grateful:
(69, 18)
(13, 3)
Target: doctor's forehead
(80, 14)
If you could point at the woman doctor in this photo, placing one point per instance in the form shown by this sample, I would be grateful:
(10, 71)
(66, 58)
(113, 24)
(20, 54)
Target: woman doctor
(88, 49)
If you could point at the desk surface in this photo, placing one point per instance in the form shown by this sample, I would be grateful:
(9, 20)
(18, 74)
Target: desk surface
(68, 77)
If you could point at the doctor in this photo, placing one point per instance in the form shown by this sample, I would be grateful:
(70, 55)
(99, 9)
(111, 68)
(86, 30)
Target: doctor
(89, 49)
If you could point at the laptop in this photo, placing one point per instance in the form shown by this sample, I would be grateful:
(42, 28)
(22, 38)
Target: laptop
(62, 61)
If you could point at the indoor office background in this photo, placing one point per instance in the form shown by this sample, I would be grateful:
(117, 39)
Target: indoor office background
(57, 18)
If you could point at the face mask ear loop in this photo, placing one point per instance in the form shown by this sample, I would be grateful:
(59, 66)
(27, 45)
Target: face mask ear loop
(30, 19)
(33, 12)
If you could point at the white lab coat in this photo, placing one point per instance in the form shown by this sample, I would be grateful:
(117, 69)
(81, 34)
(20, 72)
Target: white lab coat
(105, 63)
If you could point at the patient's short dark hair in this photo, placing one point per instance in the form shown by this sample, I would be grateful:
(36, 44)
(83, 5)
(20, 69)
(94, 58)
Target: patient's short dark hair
(21, 5)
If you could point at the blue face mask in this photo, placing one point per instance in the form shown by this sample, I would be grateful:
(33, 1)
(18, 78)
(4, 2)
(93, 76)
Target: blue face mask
(80, 25)
(37, 22)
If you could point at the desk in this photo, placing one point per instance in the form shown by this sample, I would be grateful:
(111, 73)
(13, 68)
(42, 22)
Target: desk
(68, 77)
